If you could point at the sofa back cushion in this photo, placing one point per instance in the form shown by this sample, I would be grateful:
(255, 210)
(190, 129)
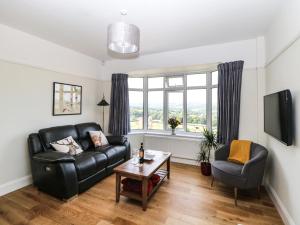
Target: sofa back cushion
(52, 134)
(84, 136)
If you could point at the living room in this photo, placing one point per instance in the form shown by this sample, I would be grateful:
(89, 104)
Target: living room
(186, 58)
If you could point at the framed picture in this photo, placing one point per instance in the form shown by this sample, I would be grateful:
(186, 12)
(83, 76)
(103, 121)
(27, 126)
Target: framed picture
(67, 99)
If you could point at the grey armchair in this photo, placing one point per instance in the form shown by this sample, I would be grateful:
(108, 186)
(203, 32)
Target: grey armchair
(240, 176)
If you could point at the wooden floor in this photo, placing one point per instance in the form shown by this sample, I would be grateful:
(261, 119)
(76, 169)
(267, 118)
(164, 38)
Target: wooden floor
(186, 198)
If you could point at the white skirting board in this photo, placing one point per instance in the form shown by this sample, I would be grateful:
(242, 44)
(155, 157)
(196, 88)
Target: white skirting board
(184, 160)
(15, 185)
(283, 212)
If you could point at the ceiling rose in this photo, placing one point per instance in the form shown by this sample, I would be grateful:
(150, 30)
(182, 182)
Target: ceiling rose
(122, 37)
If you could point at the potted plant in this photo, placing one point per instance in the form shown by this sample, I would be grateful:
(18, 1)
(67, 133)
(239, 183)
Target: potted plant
(208, 143)
(173, 122)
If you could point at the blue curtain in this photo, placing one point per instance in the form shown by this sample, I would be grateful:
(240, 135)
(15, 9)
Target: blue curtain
(229, 95)
(119, 120)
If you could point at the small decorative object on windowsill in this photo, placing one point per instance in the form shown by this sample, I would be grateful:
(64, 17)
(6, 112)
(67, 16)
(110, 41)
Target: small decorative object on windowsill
(103, 103)
(173, 132)
(173, 122)
(208, 143)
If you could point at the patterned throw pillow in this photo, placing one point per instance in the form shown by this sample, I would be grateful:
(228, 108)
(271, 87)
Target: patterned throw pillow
(98, 138)
(67, 145)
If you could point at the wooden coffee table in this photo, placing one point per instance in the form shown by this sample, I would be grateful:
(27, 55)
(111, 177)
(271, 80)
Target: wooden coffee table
(143, 173)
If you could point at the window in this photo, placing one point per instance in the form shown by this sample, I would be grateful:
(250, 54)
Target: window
(175, 106)
(214, 76)
(191, 98)
(196, 80)
(196, 110)
(136, 109)
(214, 103)
(155, 110)
(155, 82)
(176, 81)
(214, 110)
(136, 103)
(135, 83)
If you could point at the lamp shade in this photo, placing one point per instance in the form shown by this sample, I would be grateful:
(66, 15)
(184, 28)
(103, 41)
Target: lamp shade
(123, 38)
(103, 102)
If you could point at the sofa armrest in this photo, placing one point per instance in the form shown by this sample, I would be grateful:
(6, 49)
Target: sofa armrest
(222, 153)
(55, 173)
(57, 179)
(116, 140)
(120, 140)
(53, 157)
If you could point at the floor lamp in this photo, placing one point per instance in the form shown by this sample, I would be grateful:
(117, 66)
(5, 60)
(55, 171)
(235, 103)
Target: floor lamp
(103, 103)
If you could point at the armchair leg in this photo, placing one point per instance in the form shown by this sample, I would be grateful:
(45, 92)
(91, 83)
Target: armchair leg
(235, 196)
(212, 181)
(258, 191)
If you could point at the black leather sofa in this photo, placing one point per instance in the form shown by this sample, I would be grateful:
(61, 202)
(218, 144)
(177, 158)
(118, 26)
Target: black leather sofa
(64, 176)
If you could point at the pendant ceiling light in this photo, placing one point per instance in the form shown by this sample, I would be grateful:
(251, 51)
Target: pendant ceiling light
(122, 37)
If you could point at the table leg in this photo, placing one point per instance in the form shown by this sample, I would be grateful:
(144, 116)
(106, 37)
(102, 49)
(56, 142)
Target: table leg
(168, 167)
(118, 184)
(144, 193)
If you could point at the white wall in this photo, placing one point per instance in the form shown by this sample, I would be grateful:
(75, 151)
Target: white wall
(19, 47)
(283, 72)
(284, 29)
(26, 106)
(251, 51)
(284, 167)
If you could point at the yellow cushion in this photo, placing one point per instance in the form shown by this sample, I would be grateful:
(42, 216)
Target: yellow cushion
(239, 151)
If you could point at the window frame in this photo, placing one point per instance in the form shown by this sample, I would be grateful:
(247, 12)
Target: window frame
(143, 92)
(209, 86)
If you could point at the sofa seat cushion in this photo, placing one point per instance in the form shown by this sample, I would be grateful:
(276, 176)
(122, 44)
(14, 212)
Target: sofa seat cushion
(88, 163)
(101, 160)
(228, 167)
(114, 153)
(85, 165)
(228, 172)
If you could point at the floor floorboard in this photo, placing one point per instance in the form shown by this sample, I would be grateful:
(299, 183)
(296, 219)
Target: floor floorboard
(186, 198)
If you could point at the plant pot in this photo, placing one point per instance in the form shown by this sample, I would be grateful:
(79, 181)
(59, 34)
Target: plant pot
(206, 168)
(173, 132)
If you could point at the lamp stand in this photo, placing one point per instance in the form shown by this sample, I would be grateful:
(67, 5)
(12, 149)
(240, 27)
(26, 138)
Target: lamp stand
(103, 103)
(103, 118)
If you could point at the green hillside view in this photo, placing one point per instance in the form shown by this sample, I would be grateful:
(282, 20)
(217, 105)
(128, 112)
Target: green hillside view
(196, 118)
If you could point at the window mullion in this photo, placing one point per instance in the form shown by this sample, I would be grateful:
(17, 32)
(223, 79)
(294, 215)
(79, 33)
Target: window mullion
(185, 104)
(145, 95)
(209, 101)
(165, 107)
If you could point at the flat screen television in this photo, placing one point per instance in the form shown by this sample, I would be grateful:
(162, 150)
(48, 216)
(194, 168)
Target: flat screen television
(278, 116)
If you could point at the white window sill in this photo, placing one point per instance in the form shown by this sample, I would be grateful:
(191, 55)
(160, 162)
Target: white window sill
(167, 135)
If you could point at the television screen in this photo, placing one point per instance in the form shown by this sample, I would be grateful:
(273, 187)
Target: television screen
(278, 120)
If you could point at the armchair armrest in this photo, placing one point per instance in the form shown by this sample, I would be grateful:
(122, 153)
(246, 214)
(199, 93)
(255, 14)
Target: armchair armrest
(222, 153)
(53, 157)
(256, 164)
(116, 140)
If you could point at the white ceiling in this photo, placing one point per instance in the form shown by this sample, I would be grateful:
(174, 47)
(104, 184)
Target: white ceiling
(164, 24)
